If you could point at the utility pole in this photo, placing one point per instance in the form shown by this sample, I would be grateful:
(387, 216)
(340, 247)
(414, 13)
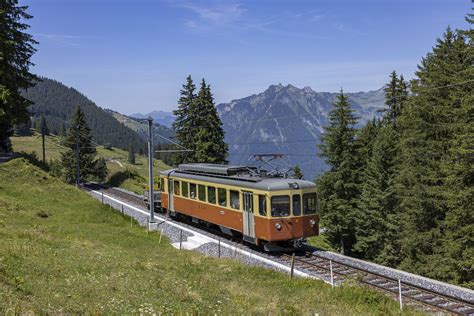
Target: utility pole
(78, 167)
(43, 132)
(151, 193)
(42, 139)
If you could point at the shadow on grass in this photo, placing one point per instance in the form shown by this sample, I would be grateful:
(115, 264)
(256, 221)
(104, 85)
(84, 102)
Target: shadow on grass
(120, 177)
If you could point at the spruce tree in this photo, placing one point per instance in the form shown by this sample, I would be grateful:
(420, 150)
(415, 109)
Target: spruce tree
(458, 245)
(62, 130)
(396, 94)
(185, 119)
(378, 223)
(79, 134)
(198, 126)
(297, 174)
(15, 60)
(339, 187)
(210, 146)
(131, 155)
(431, 126)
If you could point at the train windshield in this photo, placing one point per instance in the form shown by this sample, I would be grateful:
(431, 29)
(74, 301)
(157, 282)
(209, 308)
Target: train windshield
(309, 203)
(280, 205)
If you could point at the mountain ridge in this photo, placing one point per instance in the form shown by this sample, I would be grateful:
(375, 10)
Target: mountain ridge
(289, 120)
(141, 128)
(57, 103)
(162, 117)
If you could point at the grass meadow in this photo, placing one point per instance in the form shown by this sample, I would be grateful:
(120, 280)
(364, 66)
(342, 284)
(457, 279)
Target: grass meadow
(62, 252)
(132, 177)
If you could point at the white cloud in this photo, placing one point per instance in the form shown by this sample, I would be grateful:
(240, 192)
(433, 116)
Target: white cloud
(215, 13)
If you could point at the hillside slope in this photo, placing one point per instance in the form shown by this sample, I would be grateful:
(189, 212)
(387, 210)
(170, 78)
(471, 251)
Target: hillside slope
(141, 127)
(286, 119)
(63, 252)
(122, 174)
(57, 102)
(161, 117)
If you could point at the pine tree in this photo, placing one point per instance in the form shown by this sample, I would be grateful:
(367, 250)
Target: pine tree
(430, 125)
(15, 61)
(339, 187)
(100, 171)
(297, 174)
(458, 245)
(198, 126)
(210, 146)
(79, 134)
(62, 130)
(185, 119)
(131, 155)
(396, 94)
(377, 226)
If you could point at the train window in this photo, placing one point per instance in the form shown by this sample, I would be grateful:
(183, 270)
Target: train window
(177, 189)
(280, 205)
(235, 199)
(162, 184)
(296, 205)
(192, 190)
(202, 192)
(211, 195)
(262, 205)
(185, 188)
(309, 203)
(222, 194)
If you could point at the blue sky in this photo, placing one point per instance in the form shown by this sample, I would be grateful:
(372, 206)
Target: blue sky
(134, 55)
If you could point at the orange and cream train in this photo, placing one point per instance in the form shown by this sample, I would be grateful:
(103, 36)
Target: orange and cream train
(273, 212)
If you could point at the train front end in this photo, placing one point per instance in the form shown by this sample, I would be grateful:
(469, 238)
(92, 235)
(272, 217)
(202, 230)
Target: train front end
(292, 217)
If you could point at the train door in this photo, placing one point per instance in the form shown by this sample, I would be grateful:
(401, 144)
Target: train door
(170, 196)
(247, 217)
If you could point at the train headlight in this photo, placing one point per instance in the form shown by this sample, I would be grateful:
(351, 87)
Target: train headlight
(312, 222)
(278, 226)
(295, 185)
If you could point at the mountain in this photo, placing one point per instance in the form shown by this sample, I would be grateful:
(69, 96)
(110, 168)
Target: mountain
(141, 127)
(161, 117)
(288, 120)
(57, 102)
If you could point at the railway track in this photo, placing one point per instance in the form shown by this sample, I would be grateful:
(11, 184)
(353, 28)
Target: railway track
(431, 300)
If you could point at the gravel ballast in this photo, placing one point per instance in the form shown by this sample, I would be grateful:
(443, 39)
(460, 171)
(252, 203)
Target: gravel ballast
(405, 277)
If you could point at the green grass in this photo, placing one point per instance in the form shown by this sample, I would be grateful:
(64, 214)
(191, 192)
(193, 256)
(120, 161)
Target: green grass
(62, 252)
(122, 174)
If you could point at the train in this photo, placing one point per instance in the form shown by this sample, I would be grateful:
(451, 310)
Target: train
(271, 211)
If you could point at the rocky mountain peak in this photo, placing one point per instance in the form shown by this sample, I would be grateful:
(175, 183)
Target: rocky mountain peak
(288, 120)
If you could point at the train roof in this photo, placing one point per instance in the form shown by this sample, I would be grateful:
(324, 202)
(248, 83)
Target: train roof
(241, 176)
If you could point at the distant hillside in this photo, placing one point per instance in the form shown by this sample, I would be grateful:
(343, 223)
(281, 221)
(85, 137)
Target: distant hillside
(57, 102)
(287, 119)
(141, 127)
(161, 117)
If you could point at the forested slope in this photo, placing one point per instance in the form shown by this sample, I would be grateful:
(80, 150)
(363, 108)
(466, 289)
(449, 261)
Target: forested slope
(400, 191)
(57, 102)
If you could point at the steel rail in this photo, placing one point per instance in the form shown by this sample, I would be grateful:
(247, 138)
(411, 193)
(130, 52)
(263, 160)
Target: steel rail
(416, 293)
